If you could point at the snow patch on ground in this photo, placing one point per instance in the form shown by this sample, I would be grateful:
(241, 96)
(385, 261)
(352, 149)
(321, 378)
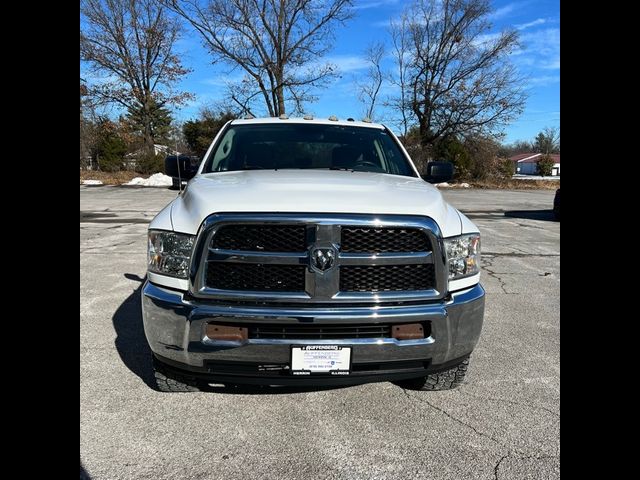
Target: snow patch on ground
(452, 185)
(155, 180)
(92, 182)
(519, 176)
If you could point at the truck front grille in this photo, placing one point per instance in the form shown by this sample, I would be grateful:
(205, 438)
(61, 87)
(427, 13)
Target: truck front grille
(273, 258)
(387, 278)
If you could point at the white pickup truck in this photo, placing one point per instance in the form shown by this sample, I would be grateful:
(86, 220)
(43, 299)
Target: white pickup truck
(311, 252)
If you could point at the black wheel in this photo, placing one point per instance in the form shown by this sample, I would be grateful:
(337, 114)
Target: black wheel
(445, 380)
(172, 383)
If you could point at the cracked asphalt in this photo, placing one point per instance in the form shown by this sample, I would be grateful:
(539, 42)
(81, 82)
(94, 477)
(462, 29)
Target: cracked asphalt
(502, 423)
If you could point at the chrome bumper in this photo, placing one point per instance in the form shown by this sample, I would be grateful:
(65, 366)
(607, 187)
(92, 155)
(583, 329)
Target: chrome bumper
(175, 329)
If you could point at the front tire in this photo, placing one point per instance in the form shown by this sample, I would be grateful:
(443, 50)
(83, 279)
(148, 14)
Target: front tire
(172, 383)
(445, 380)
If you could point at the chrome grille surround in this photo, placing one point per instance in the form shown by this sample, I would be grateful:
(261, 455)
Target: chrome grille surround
(322, 230)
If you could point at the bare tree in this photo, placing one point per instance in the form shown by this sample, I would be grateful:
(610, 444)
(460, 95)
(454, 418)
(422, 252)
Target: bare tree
(519, 146)
(458, 77)
(88, 118)
(132, 43)
(241, 97)
(401, 51)
(369, 88)
(84, 140)
(276, 43)
(547, 141)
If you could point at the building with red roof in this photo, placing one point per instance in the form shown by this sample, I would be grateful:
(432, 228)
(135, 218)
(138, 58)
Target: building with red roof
(527, 163)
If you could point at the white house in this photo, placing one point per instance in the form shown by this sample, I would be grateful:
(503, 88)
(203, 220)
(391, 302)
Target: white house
(527, 163)
(131, 159)
(163, 149)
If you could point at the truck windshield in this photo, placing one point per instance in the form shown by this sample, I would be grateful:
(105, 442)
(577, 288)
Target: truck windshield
(307, 146)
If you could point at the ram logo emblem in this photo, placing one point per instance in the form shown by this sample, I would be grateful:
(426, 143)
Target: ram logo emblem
(322, 259)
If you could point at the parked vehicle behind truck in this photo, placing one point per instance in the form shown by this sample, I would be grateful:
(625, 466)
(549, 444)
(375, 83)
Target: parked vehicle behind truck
(311, 252)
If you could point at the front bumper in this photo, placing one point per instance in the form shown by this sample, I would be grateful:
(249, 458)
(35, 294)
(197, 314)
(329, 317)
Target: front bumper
(175, 329)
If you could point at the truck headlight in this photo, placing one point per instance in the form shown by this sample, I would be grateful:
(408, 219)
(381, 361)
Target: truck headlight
(463, 255)
(169, 253)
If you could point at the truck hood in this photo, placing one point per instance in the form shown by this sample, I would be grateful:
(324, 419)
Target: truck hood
(310, 191)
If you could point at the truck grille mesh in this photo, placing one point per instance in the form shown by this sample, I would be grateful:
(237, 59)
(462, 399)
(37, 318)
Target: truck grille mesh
(319, 332)
(256, 277)
(382, 240)
(386, 278)
(261, 238)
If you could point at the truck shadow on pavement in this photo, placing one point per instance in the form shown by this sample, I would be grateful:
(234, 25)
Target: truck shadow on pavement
(83, 473)
(131, 342)
(267, 389)
(531, 214)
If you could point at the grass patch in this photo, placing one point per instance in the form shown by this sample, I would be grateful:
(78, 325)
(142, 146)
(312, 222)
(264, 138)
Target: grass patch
(110, 178)
(516, 184)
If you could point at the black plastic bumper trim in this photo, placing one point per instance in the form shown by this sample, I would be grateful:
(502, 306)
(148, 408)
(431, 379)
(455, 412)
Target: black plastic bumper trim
(359, 376)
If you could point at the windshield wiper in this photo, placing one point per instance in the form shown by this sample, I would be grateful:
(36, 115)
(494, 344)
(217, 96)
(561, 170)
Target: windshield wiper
(346, 169)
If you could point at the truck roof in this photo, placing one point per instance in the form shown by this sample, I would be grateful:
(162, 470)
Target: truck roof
(321, 121)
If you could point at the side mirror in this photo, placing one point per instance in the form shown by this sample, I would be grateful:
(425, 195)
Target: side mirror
(182, 166)
(438, 172)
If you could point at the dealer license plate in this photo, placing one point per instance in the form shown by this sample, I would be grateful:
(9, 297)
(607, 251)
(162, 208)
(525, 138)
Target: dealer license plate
(331, 359)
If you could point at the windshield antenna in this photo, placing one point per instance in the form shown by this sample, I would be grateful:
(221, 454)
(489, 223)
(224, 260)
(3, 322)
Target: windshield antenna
(178, 164)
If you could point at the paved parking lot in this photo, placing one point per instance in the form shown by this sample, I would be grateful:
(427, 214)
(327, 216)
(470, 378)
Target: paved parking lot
(503, 423)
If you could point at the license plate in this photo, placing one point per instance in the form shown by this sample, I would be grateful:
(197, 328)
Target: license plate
(331, 359)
